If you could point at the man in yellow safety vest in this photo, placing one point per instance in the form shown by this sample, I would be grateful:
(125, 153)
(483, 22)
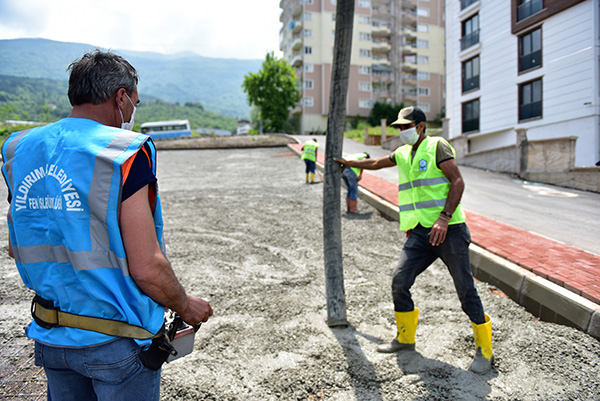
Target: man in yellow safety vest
(309, 155)
(430, 187)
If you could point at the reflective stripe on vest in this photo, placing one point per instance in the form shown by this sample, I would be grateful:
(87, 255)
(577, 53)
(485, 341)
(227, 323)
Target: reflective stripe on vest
(76, 258)
(423, 187)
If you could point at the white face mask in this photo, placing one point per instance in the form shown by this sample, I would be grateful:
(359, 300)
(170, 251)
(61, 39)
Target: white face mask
(409, 136)
(127, 126)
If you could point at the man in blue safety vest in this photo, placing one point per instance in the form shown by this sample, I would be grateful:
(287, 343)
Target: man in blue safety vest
(430, 187)
(85, 228)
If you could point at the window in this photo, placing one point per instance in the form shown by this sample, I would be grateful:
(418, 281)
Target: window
(470, 74)
(308, 50)
(423, 44)
(426, 107)
(422, 28)
(362, 19)
(364, 3)
(364, 86)
(365, 53)
(423, 76)
(466, 3)
(530, 100)
(307, 17)
(308, 101)
(365, 103)
(308, 84)
(364, 70)
(423, 12)
(422, 60)
(333, 2)
(423, 91)
(364, 36)
(470, 32)
(308, 33)
(307, 1)
(470, 116)
(309, 67)
(527, 8)
(530, 50)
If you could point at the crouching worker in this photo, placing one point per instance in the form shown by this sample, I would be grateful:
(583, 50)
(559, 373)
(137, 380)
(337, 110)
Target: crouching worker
(429, 192)
(351, 177)
(85, 229)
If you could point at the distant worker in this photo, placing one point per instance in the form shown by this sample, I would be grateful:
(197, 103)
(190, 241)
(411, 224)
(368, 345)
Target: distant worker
(351, 176)
(429, 192)
(85, 229)
(309, 155)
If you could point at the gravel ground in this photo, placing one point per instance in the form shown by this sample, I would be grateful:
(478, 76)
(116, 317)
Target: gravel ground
(244, 231)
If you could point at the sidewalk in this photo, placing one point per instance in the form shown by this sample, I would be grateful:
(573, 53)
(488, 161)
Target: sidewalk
(555, 282)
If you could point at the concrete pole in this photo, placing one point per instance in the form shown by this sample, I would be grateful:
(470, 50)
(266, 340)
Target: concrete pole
(332, 225)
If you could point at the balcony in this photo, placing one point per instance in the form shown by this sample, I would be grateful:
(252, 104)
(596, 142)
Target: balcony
(382, 11)
(297, 60)
(408, 48)
(297, 11)
(297, 26)
(409, 80)
(381, 47)
(469, 40)
(528, 9)
(409, 64)
(297, 44)
(381, 30)
(409, 4)
(409, 18)
(470, 84)
(409, 32)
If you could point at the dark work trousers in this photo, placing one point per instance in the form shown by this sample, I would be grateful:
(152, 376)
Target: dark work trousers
(418, 254)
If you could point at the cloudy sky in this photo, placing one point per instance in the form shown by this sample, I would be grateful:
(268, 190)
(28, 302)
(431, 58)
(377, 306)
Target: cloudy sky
(245, 29)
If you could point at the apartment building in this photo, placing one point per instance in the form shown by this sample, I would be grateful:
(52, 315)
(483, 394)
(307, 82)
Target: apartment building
(397, 55)
(524, 69)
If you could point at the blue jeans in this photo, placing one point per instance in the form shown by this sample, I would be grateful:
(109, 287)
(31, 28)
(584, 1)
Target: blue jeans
(112, 371)
(310, 166)
(351, 182)
(418, 254)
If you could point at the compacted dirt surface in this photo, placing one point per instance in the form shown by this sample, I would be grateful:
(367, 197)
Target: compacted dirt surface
(244, 231)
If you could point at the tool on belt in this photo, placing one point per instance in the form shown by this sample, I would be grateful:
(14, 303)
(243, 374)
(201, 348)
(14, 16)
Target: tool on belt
(173, 341)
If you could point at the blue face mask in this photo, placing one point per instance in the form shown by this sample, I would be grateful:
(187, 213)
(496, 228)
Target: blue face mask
(127, 126)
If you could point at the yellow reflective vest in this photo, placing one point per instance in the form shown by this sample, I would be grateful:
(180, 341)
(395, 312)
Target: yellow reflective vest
(422, 186)
(310, 150)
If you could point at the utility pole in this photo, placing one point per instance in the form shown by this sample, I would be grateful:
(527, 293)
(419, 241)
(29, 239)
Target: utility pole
(332, 225)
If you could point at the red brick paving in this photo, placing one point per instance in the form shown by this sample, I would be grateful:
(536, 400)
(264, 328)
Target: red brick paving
(571, 268)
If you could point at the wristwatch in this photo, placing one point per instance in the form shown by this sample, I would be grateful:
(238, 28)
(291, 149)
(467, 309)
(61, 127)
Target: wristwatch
(449, 215)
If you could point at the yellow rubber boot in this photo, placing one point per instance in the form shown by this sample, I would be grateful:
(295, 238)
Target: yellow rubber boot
(312, 178)
(482, 362)
(407, 329)
(307, 178)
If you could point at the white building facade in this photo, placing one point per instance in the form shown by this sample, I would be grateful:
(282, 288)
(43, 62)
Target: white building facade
(524, 65)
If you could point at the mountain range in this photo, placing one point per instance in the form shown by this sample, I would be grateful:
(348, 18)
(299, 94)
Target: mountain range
(182, 77)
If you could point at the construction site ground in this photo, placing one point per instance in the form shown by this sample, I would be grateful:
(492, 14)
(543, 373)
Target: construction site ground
(244, 231)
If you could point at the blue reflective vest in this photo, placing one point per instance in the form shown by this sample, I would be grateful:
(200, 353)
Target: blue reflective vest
(65, 181)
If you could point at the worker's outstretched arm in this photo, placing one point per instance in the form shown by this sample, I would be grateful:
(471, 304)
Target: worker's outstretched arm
(366, 164)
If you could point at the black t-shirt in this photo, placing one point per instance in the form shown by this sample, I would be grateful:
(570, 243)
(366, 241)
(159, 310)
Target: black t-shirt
(140, 174)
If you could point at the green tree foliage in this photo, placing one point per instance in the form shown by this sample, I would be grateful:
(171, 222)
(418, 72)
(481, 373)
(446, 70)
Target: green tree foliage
(383, 110)
(274, 90)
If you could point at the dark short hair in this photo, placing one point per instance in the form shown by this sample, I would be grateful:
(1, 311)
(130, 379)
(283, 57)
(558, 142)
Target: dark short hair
(97, 75)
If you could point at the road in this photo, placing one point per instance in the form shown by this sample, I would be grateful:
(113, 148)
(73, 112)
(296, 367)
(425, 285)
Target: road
(565, 215)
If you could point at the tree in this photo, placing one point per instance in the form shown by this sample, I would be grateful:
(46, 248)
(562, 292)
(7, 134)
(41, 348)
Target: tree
(274, 90)
(383, 110)
(332, 225)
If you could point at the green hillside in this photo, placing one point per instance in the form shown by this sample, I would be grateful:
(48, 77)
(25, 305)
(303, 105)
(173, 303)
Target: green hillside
(180, 78)
(45, 100)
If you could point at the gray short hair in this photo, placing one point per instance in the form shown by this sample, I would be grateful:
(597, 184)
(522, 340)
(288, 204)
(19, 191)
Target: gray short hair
(96, 76)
